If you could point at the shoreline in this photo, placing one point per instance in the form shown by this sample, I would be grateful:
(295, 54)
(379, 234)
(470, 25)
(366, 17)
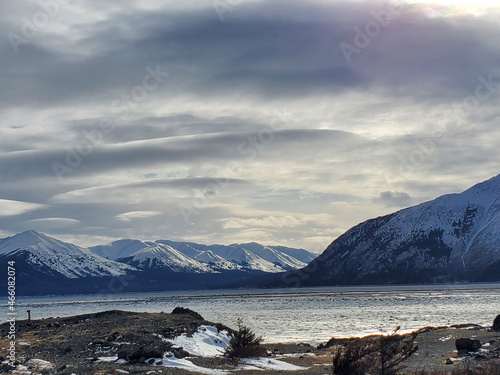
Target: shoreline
(328, 289)
(315, 314)
(92, 342)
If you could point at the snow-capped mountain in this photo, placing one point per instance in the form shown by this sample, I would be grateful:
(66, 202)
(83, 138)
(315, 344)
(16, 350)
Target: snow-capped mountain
(192, 257)
(455, 237)
(252, 255)
(46, 254)
(45, 265)
(156, 255)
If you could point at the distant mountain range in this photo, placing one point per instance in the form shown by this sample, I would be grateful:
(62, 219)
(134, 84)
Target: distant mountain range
(47, 265)
(192, 257)
(455, 237)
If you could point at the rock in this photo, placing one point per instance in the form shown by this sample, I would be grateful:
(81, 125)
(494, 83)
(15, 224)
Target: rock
(182, 310)
(67, 350)
(449, 361)
(4, 367)
(467, 345)
(63, 367)
(496, 324)
(115, 336)
(139, 355)
(180, 353)
(151, 361)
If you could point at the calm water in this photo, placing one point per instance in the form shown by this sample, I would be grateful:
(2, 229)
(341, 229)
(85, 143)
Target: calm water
(312, 315)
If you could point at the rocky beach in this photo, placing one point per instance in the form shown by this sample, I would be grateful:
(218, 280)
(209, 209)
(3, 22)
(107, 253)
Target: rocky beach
(183, 342)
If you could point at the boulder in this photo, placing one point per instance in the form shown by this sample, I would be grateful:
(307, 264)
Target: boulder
(186, 311)
(180, 353)
(140, 355)
(113, 337)
(496, 324)
(467, 345)
(67, 350)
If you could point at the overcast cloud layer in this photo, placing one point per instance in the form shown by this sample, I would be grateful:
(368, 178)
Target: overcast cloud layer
(280, 122)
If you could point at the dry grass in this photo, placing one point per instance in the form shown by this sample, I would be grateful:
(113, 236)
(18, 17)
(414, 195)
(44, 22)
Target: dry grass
(373, 355)
(492, 368)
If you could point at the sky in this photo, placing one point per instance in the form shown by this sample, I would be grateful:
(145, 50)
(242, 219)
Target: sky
(281, 122)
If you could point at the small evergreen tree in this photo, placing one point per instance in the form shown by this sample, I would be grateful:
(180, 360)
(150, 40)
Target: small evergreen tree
(244, 343)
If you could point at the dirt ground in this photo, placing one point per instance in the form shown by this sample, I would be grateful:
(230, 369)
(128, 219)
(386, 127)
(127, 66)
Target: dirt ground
(436, 347)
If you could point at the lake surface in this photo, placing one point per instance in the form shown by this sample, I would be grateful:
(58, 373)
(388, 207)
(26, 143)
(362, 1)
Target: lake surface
(309, 315)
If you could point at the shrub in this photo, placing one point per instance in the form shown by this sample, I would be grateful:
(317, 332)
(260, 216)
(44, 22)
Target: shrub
(373, 355)
(244, 343)
(354, 359)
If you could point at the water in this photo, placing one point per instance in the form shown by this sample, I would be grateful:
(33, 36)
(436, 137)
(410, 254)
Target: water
(309, 315)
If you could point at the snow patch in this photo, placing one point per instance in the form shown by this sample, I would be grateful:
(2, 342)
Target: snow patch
(207, 341)
(190, 366)
(268, 364)
(107, 359)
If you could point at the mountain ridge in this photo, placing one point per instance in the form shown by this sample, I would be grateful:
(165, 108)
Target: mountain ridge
(45, 265)
(248, 256)
(71, 261)
(454, 237)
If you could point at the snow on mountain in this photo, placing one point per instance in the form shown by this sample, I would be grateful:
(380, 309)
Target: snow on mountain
(189, 249)
(274, 256)
(50, 255)
(119, 249)
(66, 259)
(301, 255)
(454, 237)
(216, 261)
(256, 256)
(164, 256)
(239, 257)
(247, 259)
(202, 258)
(148, 254)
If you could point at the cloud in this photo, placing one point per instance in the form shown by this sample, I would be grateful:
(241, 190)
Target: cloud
(262, 222)
(262, 129)
(290, 52)
(135, 215)
(14, 208)
(394, 199)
